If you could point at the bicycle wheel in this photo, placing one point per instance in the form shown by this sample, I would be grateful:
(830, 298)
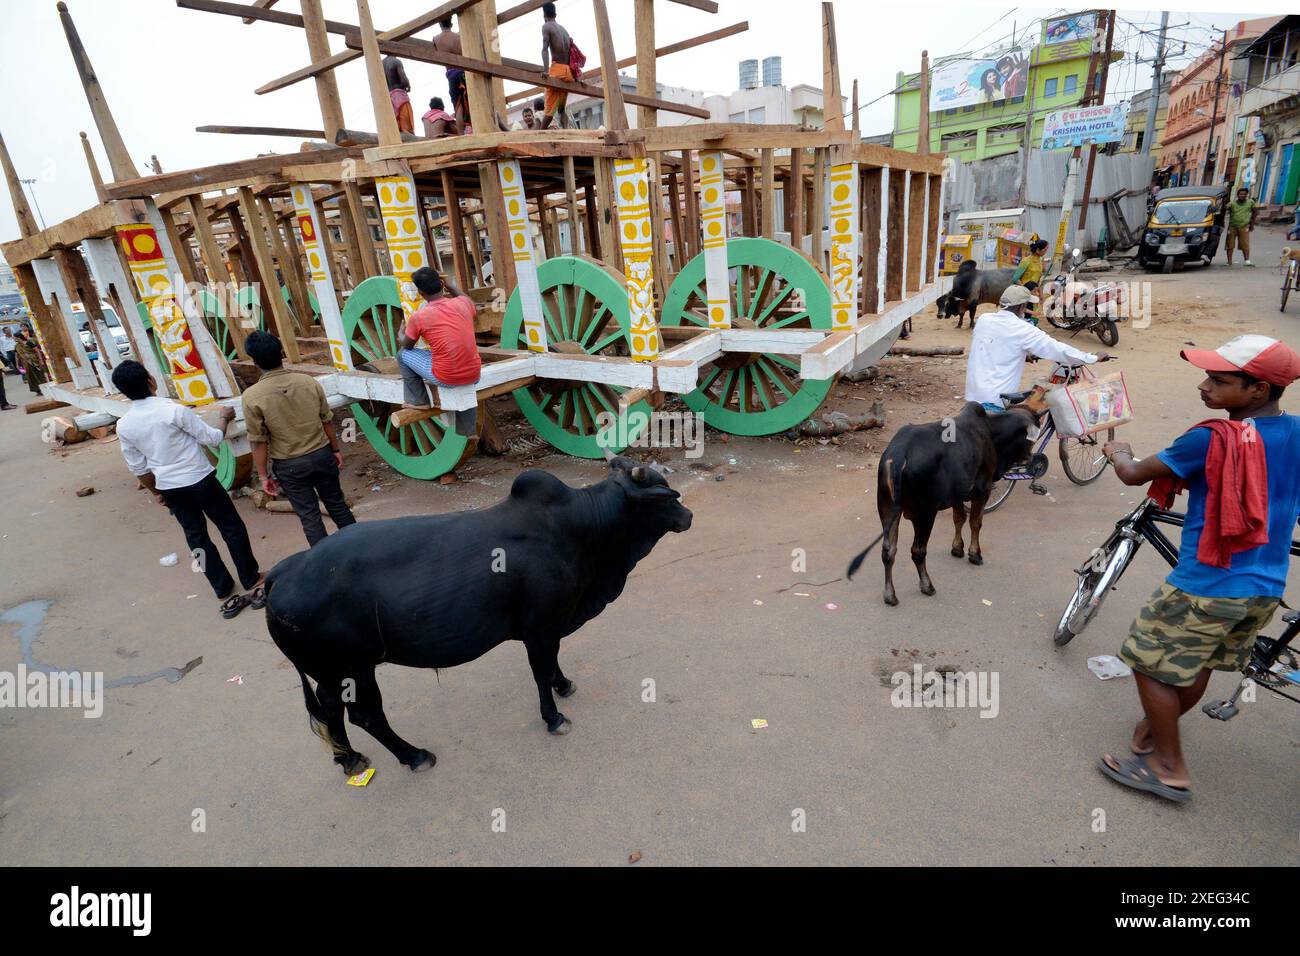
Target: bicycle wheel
(1094, 584)
(1286, 284)
(1081, 457)
(1000, 492)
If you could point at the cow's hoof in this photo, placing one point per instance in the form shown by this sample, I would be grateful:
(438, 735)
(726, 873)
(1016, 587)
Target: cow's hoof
(891, 599)
(353, 764)
(560, 725)
(424, 761)
(975, 558)
(567, 690)
(959, 552)
(927, 590)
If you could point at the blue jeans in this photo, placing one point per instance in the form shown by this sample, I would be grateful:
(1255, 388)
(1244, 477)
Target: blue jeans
(990, 407)
(417, 369)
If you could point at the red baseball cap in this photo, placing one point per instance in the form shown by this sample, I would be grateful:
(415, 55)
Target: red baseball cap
(1257, 355)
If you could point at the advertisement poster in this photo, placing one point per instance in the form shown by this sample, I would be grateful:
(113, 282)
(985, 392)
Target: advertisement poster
(971, 82)
(1088, 126)
(1078, 26)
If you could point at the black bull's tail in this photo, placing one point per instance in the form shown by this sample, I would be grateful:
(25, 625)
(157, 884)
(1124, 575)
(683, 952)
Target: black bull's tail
(891, 473)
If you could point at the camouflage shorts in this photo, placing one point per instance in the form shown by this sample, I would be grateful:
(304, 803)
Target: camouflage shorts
(1177, 635)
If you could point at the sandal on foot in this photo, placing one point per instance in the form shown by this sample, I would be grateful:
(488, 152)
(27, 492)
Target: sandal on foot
(1137, 774)
(257, 597)
(232, 605)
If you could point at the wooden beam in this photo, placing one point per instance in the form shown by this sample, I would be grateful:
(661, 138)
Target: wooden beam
(818, 205)
(211, 177)
(615, 112)
(327, 88)
(918, 189)
(646, 116)
(870, 200)
(95, 221)
(95, 178)
(455, 229)
(923, 130)
(263, 4)
(261, 254)
(592, 75)
(794, 199)
(385, 120)
(263, 131)
(769, 195)
(425, 52)
(895, 236)
(832, 101)
(119, 158)
(22, 212)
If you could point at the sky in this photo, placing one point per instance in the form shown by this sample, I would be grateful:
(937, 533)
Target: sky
(166, 70)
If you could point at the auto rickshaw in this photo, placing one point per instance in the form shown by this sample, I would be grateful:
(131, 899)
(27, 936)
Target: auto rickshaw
(1185, 225)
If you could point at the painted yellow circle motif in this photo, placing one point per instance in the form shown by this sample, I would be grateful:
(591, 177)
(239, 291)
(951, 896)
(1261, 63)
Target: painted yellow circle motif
(414, 260)
(842, 225)
(627, 191)
(841, 192)
(386, 196)
(645, 229)
(532, 336)
(710, 164)
(841, 316)
(398, 262)
(198, 388)
(642, 189)
(630, 230)
(159, 284)
(514, 207)
(408, 226)
(508, 173)
(519, 240)
(315, 260)
(716, 314)
(308, 230)
(403, 194)
(715, 229)
(298, 197)
(638, 343)
(391, 227)
(711, 195)
(338, 355)
(143, 243)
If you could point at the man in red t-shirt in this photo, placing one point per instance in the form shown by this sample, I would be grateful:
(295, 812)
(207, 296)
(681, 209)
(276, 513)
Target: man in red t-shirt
(445, 323)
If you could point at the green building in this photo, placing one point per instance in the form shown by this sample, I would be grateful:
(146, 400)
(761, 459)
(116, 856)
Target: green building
(1052, 76)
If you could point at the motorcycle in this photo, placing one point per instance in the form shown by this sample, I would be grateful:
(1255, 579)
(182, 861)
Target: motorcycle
(1077, 306)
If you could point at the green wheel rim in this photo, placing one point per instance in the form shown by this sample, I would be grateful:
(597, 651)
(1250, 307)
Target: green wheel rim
(763, 395)
(581, 301)
(224, 459)
(214, 316)
(147, 322)
(372, 322)
(250, 304)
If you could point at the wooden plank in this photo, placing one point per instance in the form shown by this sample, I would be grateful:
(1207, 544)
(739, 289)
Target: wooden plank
(828, 357)
(644, 25)
(22, 212)
(832, 101)
(795, 209)
(615, 113)
(896, 236)
(571, 200)
(264, 131)
(95, 179)
(871, 212)
(455, 230)
(242, 171)
(96, 221)
(769, 195)
(119, 157)
(259, 251)
(50, 333)
(385, 120)
(916, 193)
(932, 228)
(263, 4)
(692, 240)
(290, 268)
(81, 287)
(327, 88)
(819, 206)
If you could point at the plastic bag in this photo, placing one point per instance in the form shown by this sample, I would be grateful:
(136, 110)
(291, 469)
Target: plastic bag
(1092, 404)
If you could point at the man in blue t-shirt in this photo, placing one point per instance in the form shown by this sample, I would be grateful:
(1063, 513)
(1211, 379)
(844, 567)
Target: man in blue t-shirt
(1205, 617)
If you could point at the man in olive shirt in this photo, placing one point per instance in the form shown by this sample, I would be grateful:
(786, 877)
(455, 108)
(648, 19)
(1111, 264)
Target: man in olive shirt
(1241, 222)
(290, 422)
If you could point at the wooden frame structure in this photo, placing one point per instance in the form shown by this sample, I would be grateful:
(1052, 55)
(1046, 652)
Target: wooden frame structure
(602, 260)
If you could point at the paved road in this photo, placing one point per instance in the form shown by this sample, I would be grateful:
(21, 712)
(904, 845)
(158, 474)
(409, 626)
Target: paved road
(684, 779)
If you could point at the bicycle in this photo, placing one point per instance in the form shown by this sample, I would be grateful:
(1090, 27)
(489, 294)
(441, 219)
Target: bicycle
(1273, 663)
(1290, 277)
(1081, 456)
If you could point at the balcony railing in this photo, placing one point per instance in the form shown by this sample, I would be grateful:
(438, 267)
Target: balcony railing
(1271, 91)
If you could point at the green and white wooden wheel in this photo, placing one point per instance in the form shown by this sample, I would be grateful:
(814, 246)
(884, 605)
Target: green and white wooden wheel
(214, 316)
(372, 321)
(250, 304)
(584, 305)
(232, 470)
(772, 287)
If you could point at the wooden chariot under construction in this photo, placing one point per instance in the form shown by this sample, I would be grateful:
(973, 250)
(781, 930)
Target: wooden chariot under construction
(602, 261)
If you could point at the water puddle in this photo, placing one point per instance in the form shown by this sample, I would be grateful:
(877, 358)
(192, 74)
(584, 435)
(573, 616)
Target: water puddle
(30, 617)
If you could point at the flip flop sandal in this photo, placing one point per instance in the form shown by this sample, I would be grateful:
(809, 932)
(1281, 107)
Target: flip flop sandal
(232, 605)
(1135, 773)
(257, 597)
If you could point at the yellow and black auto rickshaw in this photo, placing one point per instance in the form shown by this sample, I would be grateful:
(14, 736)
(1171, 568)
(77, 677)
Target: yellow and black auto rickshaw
(1185, 225)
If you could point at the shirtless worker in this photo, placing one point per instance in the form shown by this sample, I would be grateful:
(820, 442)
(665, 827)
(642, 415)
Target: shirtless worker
(448, 41)
(399, 90)
(555, 65)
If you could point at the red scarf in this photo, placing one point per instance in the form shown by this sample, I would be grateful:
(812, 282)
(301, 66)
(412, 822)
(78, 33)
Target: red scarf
(1236, 497)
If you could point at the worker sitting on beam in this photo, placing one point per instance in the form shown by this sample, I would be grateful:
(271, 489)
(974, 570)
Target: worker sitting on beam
(445, 324)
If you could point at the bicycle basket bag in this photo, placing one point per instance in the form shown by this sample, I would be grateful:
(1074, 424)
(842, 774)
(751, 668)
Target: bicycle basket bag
(577, 60)
(1091, 404)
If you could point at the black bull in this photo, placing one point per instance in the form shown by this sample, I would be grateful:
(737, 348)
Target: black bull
(929, 468)
(441, 590)
(971, 287)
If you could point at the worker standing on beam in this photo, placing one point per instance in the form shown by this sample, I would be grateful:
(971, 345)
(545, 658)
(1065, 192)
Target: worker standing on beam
(557, 47)
(399, 91)
(448, 41)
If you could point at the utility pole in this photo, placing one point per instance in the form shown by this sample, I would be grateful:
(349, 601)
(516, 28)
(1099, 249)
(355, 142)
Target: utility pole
(1097, 97)
(1157, 81)
(1072, 175)
(31, 184)
(1207, 173)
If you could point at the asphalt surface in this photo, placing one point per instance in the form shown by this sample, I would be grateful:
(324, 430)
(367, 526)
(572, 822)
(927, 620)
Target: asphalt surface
(715, 617)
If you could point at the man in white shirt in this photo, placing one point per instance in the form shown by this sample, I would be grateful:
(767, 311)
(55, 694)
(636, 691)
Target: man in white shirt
(1000, 344)
(8, 348)
(162, 442)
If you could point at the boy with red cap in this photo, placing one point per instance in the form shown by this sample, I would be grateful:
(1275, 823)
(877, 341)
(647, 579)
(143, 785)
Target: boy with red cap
(1243, 488)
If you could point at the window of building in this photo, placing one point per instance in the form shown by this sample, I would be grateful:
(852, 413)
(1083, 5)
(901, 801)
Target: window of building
(758, 115)
(1049, 87)
(1015, 99)
(968, 109)
(950, 112)
(1071, 84)
(738, 117)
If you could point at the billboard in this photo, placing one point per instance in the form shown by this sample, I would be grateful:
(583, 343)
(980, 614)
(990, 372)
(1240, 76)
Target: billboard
(971, 82)
(1071, 29)
(1085, 126)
